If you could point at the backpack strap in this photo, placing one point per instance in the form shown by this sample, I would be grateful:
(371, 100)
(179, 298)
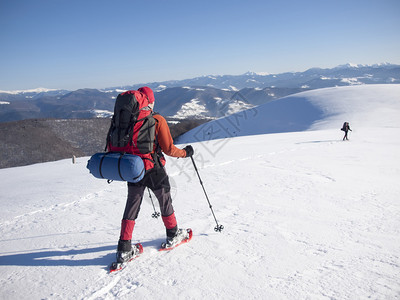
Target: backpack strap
(157, 155)
(101, 163)
(119, 166)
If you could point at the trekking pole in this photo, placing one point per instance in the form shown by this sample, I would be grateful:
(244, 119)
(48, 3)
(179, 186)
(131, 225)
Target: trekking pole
(219, 227)
(156, 214)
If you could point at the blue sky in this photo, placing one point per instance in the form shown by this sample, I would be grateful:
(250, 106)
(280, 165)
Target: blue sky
(103, 43)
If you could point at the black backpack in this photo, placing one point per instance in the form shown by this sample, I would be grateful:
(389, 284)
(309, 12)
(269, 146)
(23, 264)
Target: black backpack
(132, 127)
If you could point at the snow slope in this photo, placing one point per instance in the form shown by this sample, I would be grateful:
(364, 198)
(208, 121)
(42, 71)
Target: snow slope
(306, 216)
(365, 105)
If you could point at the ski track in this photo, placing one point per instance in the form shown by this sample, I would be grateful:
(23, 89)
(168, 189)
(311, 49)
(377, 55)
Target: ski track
(52, 208)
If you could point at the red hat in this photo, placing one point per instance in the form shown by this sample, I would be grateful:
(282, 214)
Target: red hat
(148, 92)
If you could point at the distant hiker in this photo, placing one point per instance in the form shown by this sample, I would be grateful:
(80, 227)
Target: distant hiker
(346, 128)
(155, 176)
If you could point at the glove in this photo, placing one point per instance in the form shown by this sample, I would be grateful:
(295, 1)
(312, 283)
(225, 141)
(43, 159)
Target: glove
(189, 150)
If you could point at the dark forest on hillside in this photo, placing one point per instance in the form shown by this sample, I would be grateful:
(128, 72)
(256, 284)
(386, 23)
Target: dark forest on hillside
(41, 140)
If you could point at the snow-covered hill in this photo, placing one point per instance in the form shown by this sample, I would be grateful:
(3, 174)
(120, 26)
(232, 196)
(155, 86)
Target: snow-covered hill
(365, 106)
(306, 215)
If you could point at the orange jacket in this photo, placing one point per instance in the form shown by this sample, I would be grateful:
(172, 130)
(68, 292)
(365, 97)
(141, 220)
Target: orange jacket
(164, 138)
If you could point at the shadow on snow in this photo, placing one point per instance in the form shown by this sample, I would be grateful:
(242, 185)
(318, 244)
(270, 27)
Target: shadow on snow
(60, 257)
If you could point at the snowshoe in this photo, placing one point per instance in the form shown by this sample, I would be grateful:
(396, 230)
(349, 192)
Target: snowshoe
(182, 236)
(124, 257)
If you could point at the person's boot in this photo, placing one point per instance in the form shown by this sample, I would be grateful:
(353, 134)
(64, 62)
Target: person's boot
(125, 251)
(172, 241)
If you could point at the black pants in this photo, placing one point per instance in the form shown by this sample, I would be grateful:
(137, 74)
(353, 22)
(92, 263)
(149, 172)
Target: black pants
(157, 180)
(345, 135)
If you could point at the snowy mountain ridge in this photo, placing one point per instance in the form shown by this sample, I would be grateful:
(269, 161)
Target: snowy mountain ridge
(37, 90)
(384, 65)
(238, 92)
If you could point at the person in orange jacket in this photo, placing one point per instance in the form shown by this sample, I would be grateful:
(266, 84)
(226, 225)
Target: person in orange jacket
(157, 180)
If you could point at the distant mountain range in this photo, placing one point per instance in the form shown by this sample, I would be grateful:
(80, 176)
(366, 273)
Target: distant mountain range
(200, 97)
